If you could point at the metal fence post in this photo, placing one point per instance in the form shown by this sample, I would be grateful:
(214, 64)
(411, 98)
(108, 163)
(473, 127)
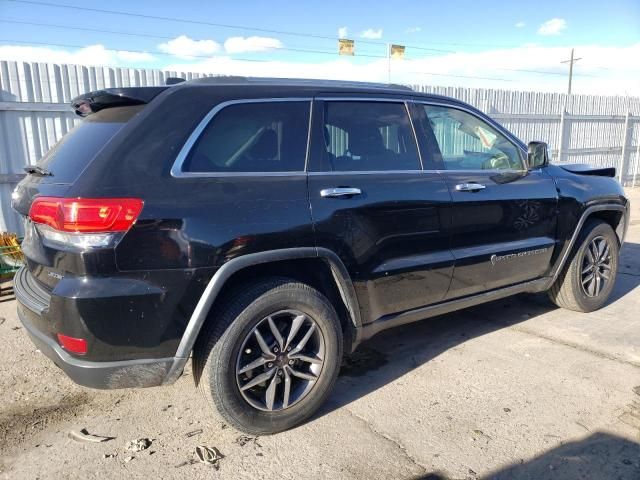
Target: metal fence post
(625, 148)
(565, 135)
(635, 167)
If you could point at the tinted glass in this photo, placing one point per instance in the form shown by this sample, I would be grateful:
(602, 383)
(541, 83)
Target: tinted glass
(468, 143)
(368, 136)
(253, 137)
(69, 157)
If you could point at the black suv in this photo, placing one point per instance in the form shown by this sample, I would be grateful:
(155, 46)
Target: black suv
(264, 227)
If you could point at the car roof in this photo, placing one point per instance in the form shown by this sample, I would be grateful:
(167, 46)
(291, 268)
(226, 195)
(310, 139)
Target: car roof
(258, 87)
(303, 85)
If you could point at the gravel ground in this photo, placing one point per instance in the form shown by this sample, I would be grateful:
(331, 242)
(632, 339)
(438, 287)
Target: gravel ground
(512, 389)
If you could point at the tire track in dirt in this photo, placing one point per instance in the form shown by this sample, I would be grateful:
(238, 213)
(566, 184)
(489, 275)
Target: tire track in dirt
(19, 424)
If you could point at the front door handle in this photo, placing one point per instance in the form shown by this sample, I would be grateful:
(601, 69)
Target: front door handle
(470, 187)
(339, 192)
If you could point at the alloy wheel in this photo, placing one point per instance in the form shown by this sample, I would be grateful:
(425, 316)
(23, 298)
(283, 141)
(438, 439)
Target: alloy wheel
(280, 360)
(596, 267)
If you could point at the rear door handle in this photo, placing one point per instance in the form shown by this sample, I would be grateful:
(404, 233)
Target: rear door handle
(470, 187)
(339, 192)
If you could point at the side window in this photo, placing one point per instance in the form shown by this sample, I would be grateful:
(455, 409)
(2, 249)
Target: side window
(368, 136)
(253, 137)
(468, 143)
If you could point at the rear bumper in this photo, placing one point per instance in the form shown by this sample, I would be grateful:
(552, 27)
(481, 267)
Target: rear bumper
(102, 375)
(33, 305)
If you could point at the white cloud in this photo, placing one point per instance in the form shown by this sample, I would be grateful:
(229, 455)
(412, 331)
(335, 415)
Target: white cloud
(413, 30)
(553, 27)
(251, 44)
(372, 34)
(520, 25)
(185, 47)
(92, 55)
(133, 57)
(343, 32)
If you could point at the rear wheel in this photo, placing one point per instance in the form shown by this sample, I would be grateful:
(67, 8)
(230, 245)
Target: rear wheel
(270, 357)
(587, 279)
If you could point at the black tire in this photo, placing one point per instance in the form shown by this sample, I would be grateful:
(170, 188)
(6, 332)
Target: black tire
(218, 348)
(567, 291)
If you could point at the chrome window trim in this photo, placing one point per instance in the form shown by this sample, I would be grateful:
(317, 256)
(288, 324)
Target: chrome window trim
(512, 138)
(364, 98)
(370, 172)
(401, 99)
(480, 170)
(439, 171)
(176, 168)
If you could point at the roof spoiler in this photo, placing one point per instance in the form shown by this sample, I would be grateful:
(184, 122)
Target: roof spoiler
(92, 102)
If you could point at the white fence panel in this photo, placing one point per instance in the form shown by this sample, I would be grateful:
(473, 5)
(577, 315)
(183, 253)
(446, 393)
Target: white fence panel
(35, 114)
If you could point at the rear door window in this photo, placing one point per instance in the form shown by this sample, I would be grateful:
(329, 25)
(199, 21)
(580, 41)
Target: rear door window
(368, 136)
(70, 156)
(253, 137)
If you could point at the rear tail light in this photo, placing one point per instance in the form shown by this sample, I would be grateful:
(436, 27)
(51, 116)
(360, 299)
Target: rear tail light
(84, 222)
(72, 344)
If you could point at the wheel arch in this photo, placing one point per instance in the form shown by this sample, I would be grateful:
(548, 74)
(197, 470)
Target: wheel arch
(275, 263)
(614, 214)
(614, 218)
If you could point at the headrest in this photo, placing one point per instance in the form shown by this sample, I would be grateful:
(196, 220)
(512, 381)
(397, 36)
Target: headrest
(365, 140)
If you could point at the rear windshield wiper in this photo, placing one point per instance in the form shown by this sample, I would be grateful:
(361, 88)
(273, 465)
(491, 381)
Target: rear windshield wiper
(37, 170)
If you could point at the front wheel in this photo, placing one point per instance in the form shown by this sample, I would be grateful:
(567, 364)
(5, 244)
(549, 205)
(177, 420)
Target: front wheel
(587, 280)
(270, 357)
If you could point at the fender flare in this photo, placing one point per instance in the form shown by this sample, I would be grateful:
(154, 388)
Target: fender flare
(564, 256)
(198, 317)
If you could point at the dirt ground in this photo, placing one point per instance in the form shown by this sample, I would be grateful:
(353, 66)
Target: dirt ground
(513, 389)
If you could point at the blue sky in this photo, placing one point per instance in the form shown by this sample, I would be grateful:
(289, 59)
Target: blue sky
(471, 41)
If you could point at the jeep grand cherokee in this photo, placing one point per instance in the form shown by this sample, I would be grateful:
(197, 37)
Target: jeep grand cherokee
(263, 227)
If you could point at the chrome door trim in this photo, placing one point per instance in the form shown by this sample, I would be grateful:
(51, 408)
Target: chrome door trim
(176, 169)
(370, 172)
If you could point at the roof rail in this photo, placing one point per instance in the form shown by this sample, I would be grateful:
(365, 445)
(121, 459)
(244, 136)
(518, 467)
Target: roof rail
(226, 80)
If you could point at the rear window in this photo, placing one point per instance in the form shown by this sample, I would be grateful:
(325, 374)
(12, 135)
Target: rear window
(253, 137)
(68, 158)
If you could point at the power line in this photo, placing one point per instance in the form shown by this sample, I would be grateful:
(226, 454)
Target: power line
(179, 20)
(85, 29)
(292, 49)
(231, 26)
(165, 37)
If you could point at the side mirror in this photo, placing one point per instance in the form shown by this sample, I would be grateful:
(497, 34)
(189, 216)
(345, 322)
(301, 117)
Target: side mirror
(537, 155)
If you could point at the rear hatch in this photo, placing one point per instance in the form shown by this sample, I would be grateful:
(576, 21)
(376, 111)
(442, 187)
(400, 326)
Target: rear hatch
(70, 235)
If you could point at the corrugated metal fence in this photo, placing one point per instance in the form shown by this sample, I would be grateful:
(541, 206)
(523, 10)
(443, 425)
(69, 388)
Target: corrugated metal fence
(34, 115)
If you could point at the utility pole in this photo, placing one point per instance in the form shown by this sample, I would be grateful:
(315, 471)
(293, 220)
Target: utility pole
(571, 61)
